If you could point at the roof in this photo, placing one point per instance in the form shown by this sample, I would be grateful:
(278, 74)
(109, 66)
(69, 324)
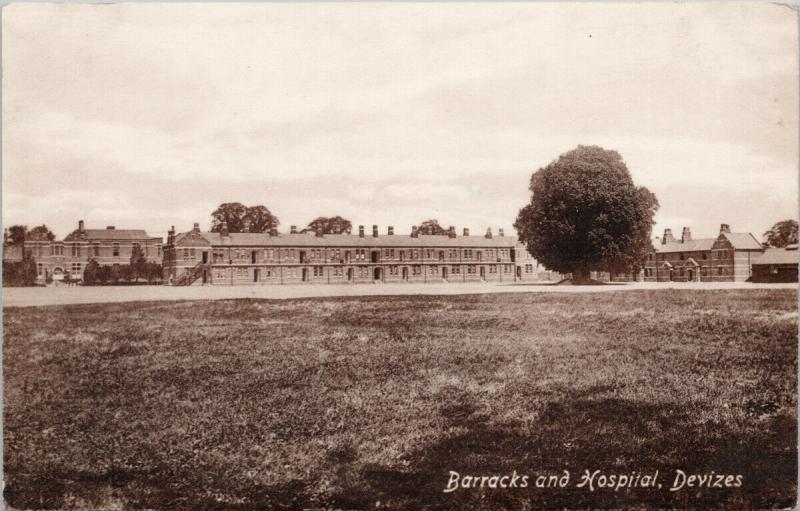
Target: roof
(109, 234)
(351, 240)
(779, 256)
(698, 245)
(739, 241)
(743, 241)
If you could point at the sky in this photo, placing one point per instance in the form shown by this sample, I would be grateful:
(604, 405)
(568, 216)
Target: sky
(150, 115)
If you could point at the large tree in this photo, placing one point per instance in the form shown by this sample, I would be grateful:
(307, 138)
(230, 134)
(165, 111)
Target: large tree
(329, 225)
(16, 233)
(431, 227)
(138, 262)
(40, 233)
(781, 234)
(235, 215)
(586, 214)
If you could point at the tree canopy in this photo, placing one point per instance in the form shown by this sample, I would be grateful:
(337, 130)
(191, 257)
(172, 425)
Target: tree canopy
(781, 234)
(329, 225)
(16, 233)
(236, 215)
(586, 214)
(431, 227)
(40, 233)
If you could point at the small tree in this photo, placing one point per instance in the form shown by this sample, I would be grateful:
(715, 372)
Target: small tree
(586, 214)
(138, 262)
(431, 227)
(329, 225)
(104, 274)
(781, 234)
(90, 273)
(114, 274)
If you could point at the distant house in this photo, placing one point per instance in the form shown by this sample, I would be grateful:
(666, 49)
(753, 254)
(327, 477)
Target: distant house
(109, 246)
(777, 265)
(727, 258)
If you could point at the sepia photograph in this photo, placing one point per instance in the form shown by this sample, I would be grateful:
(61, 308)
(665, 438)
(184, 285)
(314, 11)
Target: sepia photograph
(400, 255)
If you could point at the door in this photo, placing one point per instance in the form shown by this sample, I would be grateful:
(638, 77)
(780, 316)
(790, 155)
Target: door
(691, 275)
(376, 273)
(483, 273)
(305, 272)
(205, 257)
(519, 272)
(444, 273)
(255, 275)
(405, 273)
(349, 274)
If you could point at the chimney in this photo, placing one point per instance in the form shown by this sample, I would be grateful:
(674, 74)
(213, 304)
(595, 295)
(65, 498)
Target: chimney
(390, 231)
(667, 237)
(686, 235)
(724, 228)
(489, 233)
(109, 227)
(466, 231)
(292, 229)
(224, 229)
(196, 227)
(414, 233)
(360, 231)
(80, 226)
(374, 231)
(171, 235)
(451, 232)
(246, 226)
(500, 232)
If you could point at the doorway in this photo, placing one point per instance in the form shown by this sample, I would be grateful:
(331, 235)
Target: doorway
(255, 274)
(444, 273)
(349, 274)
(483, 273)
(305, 273)
(691, 275)
(405, 273)
(519, 272)
(205, 257)
(376, 273)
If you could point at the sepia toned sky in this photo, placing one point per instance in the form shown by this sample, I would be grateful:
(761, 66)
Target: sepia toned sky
(148, 115)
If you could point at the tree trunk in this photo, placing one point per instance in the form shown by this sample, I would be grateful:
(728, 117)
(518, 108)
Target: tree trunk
(581, 275)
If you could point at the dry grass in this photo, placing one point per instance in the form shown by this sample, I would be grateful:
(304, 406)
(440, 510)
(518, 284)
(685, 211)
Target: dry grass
(369, 402)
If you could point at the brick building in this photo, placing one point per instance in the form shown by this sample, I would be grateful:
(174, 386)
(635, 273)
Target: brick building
(727, 258)
(271, 258)
(109, 246)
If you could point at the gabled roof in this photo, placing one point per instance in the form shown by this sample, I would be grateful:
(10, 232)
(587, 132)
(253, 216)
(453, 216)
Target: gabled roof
(739, 241)
(352, 240)
(109, 234)
(779, 256)
(743, 240)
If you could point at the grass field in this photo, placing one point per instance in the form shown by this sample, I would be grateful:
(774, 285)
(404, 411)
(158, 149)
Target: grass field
(369, 402)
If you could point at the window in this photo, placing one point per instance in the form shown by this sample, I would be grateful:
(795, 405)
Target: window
(135, 246)
(76, 250)
(115, 248)
(705, 255)
(96, 249)
(479, 254)
(318, 271)
(720, 271)
(456, 269)
(528, 268)
(76, 268)
(415, 270)
(40, 269)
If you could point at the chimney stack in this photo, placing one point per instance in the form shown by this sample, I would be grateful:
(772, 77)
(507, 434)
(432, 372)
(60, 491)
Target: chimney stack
(451, 232)
(374, 231)
(466, 231)
(224, 229)
(360, 231)
(80, 226)
(390, 231)
(196, 227)
(171, 235)
(489, 232)
(292, 229)
(667, 237)
(724, 228)
(414, 233)
(500, 232)
(686, 235)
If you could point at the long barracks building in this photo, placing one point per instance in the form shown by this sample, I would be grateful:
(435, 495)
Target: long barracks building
(222, 258)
